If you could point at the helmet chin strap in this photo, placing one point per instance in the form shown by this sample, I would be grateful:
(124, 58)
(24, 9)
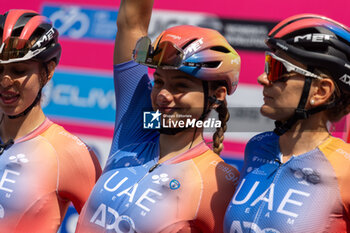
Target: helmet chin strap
(27, 110)
(300, 112)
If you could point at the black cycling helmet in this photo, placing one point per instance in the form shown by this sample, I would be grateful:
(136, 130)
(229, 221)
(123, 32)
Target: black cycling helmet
(321, 44)
(25, 35)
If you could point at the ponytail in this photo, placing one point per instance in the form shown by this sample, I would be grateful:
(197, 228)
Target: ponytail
(218, 136)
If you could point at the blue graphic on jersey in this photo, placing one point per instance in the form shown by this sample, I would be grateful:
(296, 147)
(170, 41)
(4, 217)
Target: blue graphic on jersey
(174, 184)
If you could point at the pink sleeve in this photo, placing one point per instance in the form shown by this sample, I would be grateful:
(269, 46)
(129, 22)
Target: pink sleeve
(78, 166)
(338, 154)
(219, 183)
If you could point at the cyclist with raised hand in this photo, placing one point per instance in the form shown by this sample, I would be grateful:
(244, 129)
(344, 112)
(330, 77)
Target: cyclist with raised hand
(42, 166)
(165, 180)
(296, 178)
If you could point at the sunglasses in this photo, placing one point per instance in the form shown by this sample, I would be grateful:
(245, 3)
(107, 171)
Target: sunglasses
(165, 55)
(16, 50)
(276, 67)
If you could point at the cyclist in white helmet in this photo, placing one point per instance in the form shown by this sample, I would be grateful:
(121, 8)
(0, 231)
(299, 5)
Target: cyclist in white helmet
(167, 179)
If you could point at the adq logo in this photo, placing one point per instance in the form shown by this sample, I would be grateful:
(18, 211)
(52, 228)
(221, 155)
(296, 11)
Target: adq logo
(174, 184)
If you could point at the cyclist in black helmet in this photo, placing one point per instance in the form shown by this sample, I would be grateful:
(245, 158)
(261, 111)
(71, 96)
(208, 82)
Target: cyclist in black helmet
(296, 178)
(43, 168)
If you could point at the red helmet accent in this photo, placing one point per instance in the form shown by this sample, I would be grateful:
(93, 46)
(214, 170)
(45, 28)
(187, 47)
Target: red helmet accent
(317, 42)
(27, 35)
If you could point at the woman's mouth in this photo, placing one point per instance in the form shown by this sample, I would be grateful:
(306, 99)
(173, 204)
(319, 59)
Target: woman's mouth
(167, 110)
(267, 97)
(9, 97)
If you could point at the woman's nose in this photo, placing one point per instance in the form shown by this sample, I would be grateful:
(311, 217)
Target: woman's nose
(164, 97)
(6, 81)
(262, 79)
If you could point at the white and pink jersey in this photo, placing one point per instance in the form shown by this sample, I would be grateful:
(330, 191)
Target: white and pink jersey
(40, 174)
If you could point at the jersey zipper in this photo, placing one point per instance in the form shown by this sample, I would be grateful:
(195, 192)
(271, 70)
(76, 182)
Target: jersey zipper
(277, 174)
(153, 167)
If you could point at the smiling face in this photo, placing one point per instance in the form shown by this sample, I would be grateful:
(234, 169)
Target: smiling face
(19, 86)
(176, 93)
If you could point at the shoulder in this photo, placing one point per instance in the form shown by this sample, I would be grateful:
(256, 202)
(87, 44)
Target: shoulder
(337, 148)
(59, 137)
(219, 181)
(266, 142)
(337, 152)
(215, 170)
(266, 137)
(77, 163)
(70, 149)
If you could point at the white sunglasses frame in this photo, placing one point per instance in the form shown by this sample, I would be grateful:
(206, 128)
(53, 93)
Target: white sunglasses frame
(291, 67)
(30, 54)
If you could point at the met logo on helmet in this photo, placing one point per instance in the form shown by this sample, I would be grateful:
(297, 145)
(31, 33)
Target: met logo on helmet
(48, 36)
(313, 37)
(345, 79)
(194, 46)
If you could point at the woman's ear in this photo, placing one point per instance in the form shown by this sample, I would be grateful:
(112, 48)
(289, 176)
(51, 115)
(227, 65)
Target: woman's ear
(47, 73)
(321, 92)
(220, 94)
(51, 69)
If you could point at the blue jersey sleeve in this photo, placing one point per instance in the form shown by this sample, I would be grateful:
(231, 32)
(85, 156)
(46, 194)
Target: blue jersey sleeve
(132, 91)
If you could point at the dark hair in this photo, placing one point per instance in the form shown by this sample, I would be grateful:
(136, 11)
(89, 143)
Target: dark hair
(224, 116)
(341, 100)
(218, 136)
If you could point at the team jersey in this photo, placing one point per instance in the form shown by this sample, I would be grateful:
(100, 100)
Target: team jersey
(308, 193)
(187, 193)
(40, 174)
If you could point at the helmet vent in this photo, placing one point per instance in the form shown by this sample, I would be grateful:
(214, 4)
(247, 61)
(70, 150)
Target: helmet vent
(188, 43)
(220, 49)
(211, 64)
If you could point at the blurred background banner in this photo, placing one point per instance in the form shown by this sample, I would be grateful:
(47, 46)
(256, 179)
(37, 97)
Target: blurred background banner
(81, 95)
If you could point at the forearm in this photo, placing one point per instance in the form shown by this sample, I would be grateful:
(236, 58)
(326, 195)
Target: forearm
(132, 22)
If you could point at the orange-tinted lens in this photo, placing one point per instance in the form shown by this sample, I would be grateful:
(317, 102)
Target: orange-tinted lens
(273, 68)
(167, 55)
(14, 48)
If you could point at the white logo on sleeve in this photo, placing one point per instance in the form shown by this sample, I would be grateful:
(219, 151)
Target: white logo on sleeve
(19, 158)
(160, 178)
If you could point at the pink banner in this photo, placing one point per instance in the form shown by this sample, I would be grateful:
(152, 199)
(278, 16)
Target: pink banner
(249, 9)
(95, 54)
